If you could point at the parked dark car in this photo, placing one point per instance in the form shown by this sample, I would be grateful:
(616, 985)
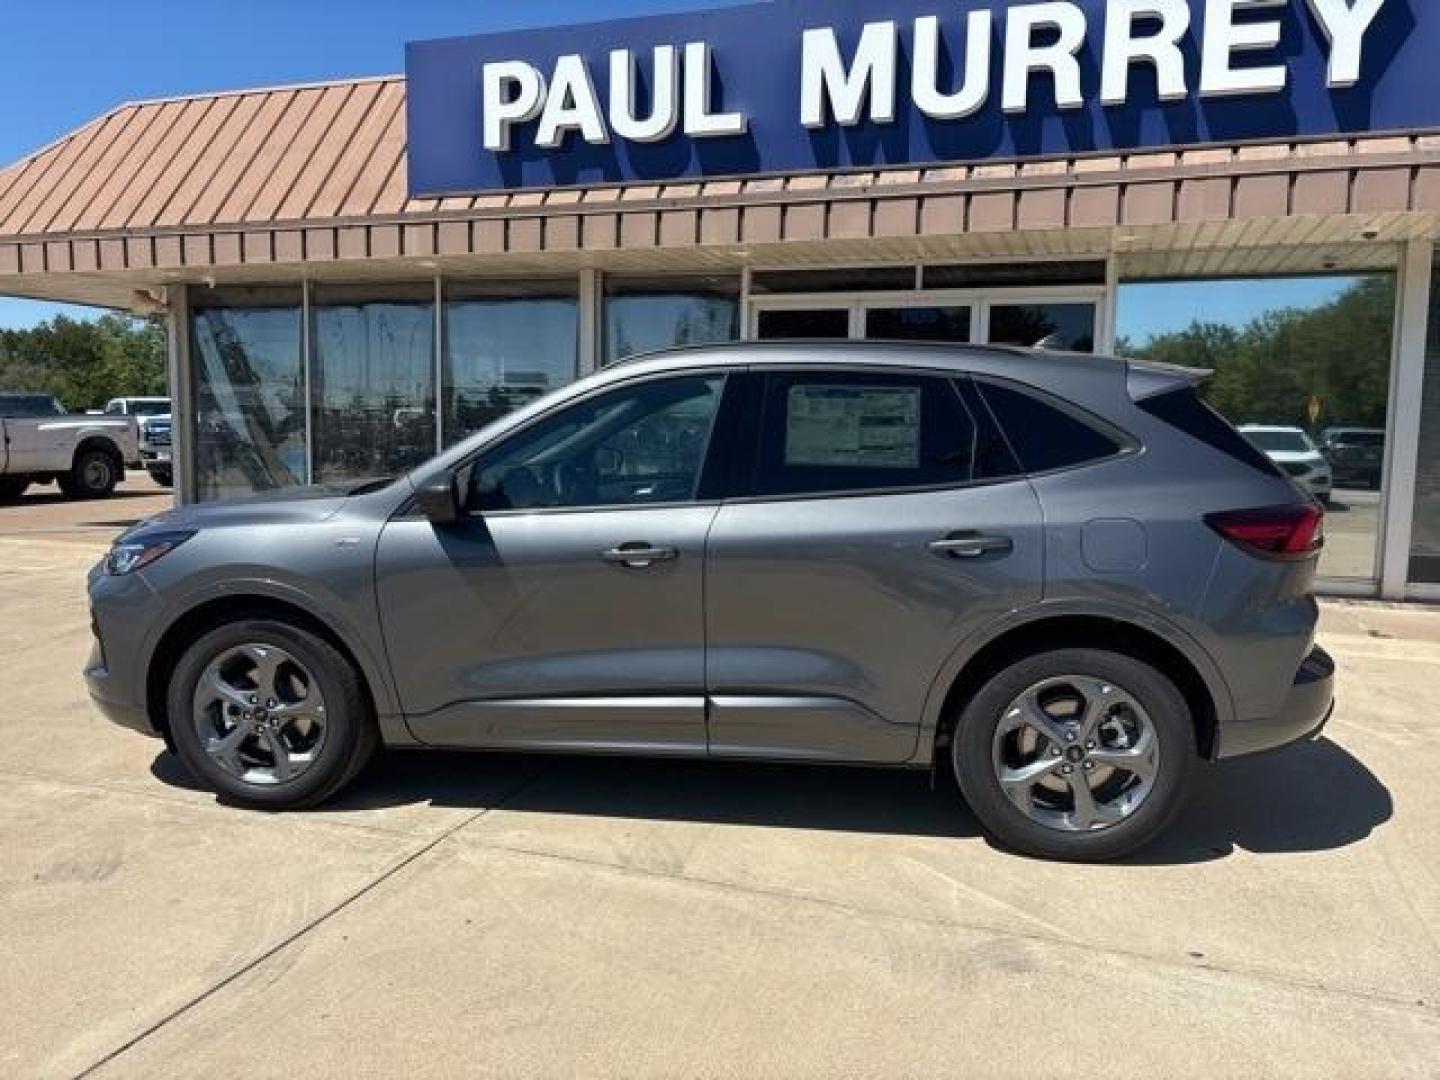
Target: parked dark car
(1064, 577)
(1356, 455)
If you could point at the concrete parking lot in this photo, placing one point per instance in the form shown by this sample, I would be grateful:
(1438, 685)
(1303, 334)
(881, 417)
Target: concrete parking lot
(512, 916)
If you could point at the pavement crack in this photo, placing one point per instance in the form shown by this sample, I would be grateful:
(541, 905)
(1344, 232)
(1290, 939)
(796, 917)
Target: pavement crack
(386, 875)
(1393, 1002)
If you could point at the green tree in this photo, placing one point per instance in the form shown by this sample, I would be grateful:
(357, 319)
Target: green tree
(1271, 370)
(85, 364)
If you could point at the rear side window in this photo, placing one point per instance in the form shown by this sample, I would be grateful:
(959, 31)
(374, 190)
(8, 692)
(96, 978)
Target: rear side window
(1185, 410)
(1045, 434)
(844, 431)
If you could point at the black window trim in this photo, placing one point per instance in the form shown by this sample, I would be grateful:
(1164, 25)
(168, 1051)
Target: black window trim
(1129, 445)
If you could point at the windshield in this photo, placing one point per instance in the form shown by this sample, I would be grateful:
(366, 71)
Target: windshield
(150, 408)
(1281, 442)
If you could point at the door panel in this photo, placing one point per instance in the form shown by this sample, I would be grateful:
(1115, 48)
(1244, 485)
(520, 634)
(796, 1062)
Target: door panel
(515, 629)
(843, 599)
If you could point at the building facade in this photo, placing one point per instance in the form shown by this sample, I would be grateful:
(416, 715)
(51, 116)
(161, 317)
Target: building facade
(357, 274)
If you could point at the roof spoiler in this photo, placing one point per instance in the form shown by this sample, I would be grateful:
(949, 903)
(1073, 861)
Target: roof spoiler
(1148, 380)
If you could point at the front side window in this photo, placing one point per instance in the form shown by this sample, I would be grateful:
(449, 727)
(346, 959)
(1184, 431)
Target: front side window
(849, 432)
(639, 445)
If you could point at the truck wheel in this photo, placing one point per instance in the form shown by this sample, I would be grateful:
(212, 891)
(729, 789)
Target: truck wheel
(94, 475)
(163, 477)
(12, 487)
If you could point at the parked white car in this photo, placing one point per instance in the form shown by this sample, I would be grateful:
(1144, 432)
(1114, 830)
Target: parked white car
(85, 455)
(1295, 452)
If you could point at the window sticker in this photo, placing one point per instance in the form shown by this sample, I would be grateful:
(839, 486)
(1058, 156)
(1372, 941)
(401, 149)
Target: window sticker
(861, 427)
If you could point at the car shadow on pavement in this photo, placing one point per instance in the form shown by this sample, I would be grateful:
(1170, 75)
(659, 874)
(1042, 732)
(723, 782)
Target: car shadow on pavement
(1311, 797)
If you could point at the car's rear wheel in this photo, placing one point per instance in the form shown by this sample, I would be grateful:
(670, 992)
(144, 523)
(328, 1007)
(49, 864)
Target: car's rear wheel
(11, 488)
(93, 475)
(1079, 754)
(270, 715)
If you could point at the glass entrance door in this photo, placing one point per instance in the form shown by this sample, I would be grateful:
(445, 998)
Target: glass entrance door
(1065, 323)
(953, 323)
(793, 324)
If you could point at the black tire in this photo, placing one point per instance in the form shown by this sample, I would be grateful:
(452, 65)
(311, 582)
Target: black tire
(972, 755)
(163, 477)
(94, 474)
(351, 734)
(11, 488)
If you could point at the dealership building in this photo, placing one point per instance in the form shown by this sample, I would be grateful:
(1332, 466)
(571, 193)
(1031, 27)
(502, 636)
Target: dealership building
(357, 274)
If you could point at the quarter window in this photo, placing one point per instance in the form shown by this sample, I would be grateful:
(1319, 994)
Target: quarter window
(848, 431)
(638, 445)
(1045, 434)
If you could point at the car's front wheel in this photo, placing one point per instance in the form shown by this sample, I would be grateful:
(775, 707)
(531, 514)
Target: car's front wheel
(270, 715)
(1080, 754)
(12, 487)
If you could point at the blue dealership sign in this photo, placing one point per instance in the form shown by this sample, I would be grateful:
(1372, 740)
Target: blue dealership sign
(799, 85)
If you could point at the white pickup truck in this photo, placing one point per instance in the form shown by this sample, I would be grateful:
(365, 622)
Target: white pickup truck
(86, 455)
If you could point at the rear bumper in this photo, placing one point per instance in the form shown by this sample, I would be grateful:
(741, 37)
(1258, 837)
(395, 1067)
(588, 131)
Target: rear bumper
(1303, 715)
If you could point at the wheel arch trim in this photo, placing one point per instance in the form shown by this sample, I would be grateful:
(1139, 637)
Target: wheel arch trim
(1124, 618)
(236, 593)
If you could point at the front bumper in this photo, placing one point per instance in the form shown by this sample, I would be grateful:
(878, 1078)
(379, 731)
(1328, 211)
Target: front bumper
(1305, 713)
(120, 611)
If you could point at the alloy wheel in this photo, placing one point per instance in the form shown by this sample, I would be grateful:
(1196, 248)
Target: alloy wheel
(1076, 753)
(260, 714)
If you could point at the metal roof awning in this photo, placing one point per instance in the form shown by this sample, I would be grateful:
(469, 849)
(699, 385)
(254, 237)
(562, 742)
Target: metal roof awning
(276, 185)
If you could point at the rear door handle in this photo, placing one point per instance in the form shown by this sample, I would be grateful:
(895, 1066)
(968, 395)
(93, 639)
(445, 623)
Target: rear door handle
(640, 556)
(972, 546)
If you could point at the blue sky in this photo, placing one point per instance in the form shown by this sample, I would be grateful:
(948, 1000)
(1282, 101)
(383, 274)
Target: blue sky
(62, 63)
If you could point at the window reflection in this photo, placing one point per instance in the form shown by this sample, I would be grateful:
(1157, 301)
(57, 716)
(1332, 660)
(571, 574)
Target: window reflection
(373, 379)
(1425, 546)
(505, 345)
(1061, 327)
(249, 392)
(1304, 359)
(643, 314)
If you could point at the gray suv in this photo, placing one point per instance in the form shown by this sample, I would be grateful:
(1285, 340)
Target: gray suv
(1062, 576)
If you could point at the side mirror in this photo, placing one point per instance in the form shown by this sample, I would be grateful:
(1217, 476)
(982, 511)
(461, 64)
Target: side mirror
(440, 501)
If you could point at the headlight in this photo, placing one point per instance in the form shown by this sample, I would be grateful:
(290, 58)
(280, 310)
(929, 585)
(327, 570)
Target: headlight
(127, 556)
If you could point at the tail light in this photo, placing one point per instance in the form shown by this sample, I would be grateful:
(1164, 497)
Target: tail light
(1278, 532)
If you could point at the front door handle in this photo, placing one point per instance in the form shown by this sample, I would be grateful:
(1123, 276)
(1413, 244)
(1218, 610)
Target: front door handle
(972, 546)
(640, 556)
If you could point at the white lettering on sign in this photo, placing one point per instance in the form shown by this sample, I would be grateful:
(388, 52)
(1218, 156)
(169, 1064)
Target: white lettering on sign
(1161, 49)
(826, 80)
(1224, 38)
(974, 88)
(664, 96)
(1023, 56)
(1345, 23)
(1042, 41)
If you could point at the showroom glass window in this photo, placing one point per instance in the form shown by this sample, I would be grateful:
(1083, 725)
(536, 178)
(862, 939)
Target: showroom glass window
(643, 314)
(1309, 355)
(506, 344)
(1425, 543)
(372, 379)
(249, 430)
